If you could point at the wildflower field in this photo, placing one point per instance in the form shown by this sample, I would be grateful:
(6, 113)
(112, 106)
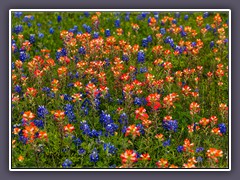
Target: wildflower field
(119, 90)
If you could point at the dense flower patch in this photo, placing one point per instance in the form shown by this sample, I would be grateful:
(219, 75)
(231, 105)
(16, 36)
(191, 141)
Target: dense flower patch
(120, 90)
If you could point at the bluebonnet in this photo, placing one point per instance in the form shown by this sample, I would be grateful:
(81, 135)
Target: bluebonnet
(95, 133)
(199, 159)
(166, 143)
(144, 42)
(87, 28)
(125, 57)
(111, 128)
(81, 151)
(82, 50)
(42, 111)
(127, 17)
(94, 157)
(66, 97)
(39, 24)
(69, 112)
(163, 31)
(29, 24)
(123, 119)
(107, 62)
(51, 94)
(51, 30)
(117, 23)
(95, 35)
(18, 89)
(141, 128)
(85, 127)
(107, 33)
(87, 14)
(46, 89)
(13, 65)
(183, 33)
(38, 123)
(211, 44)
(15, 48)
(22, 139)
(223, 128)
(199, 149)
(18, 14)
(124, 129)
(138, 101)
(59, 18)
(76, 141)
(225, 40)
(32, 38)
(58, 55)
(113, 166)
(67, 163)
(22, 56)
(105, 118)
(170, 125)
(17, 29)
(40, 35)
(174, 21)
(180, 149)
(194, 44)
(27, 18)
(208, 27)
(205, 15)
(177, 15)
(144, 14)
(97, 103)
(186, 17)
(143, 70)
(149, 38)
(141, 57)
(111, 149)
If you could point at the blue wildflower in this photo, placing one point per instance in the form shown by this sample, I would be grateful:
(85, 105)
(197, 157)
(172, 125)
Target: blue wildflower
(211, 44)
(18, 14)
(117, 23)
(18, 29)
(82, 50)
(144, 42)
(42, 111)
(40, 35)
(141, 57)
(170, 125)
(32, 38)
(94, 157)
(199, 159)
(107, 33)
(38, 123)
(76, 141)
(67, 163)
(81, 151)
(18, 89)
(223, 128)
(199, 149)
(87, 14)
(177, 14)
(180, 149)
(205, 15)
(59, 18)
(51, 30)
(111, 149)
(166, 143)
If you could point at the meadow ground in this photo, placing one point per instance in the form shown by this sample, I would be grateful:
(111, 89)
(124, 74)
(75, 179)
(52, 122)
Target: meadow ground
(120, 90)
